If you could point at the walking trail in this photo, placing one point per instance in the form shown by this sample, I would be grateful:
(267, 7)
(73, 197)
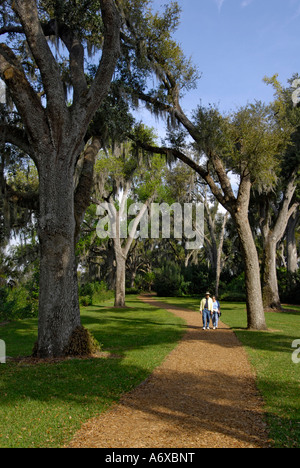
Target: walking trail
(203, 395)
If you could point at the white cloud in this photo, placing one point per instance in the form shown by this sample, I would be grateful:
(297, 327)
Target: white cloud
(219, 4)
(246, 3)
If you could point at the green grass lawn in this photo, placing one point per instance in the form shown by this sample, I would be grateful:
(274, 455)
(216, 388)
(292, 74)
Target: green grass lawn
(278, 377)
(292, 307)
(43, 405)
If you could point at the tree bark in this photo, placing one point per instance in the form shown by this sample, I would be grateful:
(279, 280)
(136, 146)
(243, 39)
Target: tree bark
(122, 247)
(120, 280)
(272, 234)
(83, 192)
(132, 279)
(59, 312)
(271, 297)
(219, 253)
(292, 254)
(255, 309)
(213, 248)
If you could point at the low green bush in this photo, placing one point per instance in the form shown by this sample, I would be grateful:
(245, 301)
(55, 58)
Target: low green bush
(169, 282)
(289, 286)
(85, 301)
(233, 297)
(94, 293)
(17, 303)
(22, 301)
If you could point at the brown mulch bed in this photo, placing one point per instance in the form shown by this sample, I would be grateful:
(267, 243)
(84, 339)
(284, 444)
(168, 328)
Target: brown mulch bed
(203, 395)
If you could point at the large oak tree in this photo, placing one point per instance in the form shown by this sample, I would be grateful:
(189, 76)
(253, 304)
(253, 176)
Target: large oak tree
(58, 60)
(52, 133)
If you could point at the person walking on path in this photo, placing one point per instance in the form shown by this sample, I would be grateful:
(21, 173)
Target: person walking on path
(216, 312)
(206, 308)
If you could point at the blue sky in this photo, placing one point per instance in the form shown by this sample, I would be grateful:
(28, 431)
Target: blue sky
(234, 44)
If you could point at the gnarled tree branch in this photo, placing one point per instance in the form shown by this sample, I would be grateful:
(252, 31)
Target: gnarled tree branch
(28, 14)
(23, 95)
(16, 137)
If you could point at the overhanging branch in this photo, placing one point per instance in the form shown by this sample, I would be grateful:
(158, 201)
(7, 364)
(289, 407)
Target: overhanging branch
(23, 95)
(17, 137)
(28, 200)
(204, 174)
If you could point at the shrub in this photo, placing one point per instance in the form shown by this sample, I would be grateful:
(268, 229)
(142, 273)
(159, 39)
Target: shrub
(199, 279)
(85, 301)
(17, 303)
(233, 297)
(101, 293)
(94, 293)
(144, 281)
(22, 301)
(169, 282)
(235, 291)
(237, 285)
(3, 295)
(289, 286)
(132, 291)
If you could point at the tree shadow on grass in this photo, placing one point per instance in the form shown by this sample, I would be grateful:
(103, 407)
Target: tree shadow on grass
(272, 341)
(61, 395)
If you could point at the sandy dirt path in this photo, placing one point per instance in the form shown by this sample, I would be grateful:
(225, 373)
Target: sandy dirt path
(202, 396)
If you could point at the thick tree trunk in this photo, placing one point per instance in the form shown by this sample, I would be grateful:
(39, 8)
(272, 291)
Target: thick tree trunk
(218, 273)
(53, 131)
(219, 254)
(120, 281)
(59, 312)
(132, 279)
(271, 297)
(292, 254)
(272, 235)
(255, 309)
